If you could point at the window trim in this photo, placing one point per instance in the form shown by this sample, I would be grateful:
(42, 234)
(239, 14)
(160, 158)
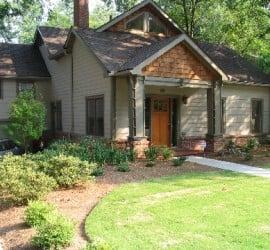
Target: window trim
(26, 82)
(223, 115)
(94, 97)
(146, 23)
(1, 90)
(54, 125)
(262, 109)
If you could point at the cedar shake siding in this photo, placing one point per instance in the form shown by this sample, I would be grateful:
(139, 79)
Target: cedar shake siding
(179, 62)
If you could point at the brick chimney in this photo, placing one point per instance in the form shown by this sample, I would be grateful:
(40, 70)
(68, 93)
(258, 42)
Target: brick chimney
(81, 14)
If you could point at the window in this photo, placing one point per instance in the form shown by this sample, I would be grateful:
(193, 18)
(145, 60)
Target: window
(223, 115)
(147, 23)
(1, 90)
(147, 106)
(155, 26)
(136, 23)
(22, 86)
(56, 116)
(95, 116)
(256, 116)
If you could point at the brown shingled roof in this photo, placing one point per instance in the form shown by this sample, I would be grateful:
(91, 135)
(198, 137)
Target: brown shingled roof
(54, 38)
(120, 51)
(21, 61)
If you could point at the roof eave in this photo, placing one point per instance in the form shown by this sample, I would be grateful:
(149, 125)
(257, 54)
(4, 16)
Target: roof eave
(246, 83)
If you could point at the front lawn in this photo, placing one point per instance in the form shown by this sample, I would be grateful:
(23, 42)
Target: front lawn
(213, 210)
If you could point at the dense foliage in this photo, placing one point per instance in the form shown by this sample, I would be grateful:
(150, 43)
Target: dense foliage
(27, 117)
(37, 213)
(54, 231)
(20, 181)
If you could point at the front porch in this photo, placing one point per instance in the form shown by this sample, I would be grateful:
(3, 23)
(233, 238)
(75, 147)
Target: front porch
(178, 113)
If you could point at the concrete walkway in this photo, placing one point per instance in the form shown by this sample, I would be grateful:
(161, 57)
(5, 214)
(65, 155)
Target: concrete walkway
(245, 169)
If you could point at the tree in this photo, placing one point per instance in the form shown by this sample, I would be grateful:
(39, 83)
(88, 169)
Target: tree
(61, 15)
(26, 119)
(100, 15)
(121, 5)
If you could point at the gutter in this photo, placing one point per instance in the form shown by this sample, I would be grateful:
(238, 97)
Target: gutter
(246, 84)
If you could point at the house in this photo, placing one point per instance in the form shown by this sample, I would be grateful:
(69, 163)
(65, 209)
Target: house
(138, 78)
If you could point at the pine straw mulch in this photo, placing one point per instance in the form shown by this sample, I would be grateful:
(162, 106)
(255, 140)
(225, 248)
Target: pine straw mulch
(78, 202)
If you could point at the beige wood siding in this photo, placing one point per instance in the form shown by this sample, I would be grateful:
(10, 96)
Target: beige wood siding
(238, 108)
(193, 115)
(89, 80)
(9, 88)
(122, 123)
(60, 71)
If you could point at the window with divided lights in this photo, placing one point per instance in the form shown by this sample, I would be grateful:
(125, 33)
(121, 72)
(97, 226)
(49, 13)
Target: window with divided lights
(256, 116)
(95, 116)
(56, 116)
(1, 90)
(147, 23)
(223, 115)
(22, 86)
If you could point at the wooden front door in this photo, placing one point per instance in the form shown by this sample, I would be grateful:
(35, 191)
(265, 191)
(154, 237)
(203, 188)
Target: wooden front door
(160, 132)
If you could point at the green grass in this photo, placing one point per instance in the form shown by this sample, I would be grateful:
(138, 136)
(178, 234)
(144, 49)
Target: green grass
(217, 210)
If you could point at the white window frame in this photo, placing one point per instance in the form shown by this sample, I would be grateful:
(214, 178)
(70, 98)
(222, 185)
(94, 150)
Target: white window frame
(146, 23)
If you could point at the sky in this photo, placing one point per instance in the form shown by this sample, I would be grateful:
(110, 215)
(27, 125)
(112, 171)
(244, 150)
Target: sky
(93, 4)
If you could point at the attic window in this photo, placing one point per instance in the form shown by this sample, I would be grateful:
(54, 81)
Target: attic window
(155, 26)
(147, 23)
(136, 23)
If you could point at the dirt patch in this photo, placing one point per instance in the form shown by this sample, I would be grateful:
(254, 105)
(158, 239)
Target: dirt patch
(78, 202)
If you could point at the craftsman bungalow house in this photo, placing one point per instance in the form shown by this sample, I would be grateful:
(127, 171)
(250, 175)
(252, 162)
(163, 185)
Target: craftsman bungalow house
(138, 78)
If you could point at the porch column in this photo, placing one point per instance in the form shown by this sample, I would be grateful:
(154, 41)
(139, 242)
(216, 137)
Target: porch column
(136, 115)
(214, 117)
(136, 106)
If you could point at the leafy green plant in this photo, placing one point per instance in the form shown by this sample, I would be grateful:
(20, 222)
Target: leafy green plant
(247, 150)
(123, 167)
(27, 118)
(150, 164)
(37, 213)
(178, 161)
(166, 152)
(20, 181)
(98, 245)
(98, 171)
(55, 233)
(67, 170)
(152, 153)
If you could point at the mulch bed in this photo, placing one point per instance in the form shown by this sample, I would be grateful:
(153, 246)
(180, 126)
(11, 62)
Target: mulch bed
(78, 202)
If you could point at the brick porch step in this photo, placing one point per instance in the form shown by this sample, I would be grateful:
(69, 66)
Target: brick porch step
(179, 152)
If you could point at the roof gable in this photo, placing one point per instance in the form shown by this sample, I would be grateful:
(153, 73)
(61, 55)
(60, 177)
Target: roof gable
(21, 61)
(193, 47)
(117, 24)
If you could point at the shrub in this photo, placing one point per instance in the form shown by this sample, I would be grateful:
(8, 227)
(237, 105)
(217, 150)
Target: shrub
(124, 167)
(67, 170)
(37, 213)
(98, 245)
(20, 181)
(248, 148)
(152, 153)
(150, 164)
(178, 161)
(57, 232)
(166, 152)
(98, 171)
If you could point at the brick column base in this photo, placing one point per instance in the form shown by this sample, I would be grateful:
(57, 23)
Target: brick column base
(139, 145)
(215, 143)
